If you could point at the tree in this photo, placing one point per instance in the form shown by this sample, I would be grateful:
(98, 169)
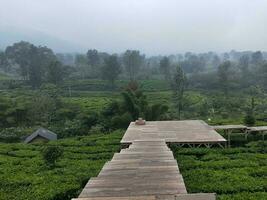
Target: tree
(111, 69)
(32, 60)
(224, 74)
(256, 58)
(179, 86)
(165, 67)
(244, 66)
(55, 73)
(254, 92)
(263, 75)
(93, 60)
(134, 104)
(44, 104)
(216, 61)
(132, 61)
(35, 70)
(193, 63)
(21, 53)
(226, 57)
(93, 57)
(4, 64)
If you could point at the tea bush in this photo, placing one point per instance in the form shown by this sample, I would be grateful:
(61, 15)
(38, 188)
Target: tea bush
(24, 174)
(234, 173)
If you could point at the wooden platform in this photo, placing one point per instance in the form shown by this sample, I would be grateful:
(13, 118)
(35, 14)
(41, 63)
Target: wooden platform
(200, 196)
(147, 170)
(189, 131)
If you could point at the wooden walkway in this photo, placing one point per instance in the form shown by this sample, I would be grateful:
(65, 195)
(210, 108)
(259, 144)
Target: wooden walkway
(146, 170)
(187, 132)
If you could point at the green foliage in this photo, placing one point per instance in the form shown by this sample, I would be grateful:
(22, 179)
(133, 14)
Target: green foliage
(24, 175)
(51, 154)
(121, 121)
(179, 86)
(249, 120)
(132, 61)
(165, 68)
(234, 173)
(55, 73)
(111, 69)
(224, 76)
(134, 104)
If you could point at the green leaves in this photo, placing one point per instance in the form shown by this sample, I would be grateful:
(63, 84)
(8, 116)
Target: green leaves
(51, 154)
(24, 176)
(234, 173)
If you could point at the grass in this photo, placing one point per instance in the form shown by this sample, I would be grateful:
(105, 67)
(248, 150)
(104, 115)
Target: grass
(23, 174)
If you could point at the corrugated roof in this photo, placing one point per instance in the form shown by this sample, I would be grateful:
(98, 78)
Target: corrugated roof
(49, 135)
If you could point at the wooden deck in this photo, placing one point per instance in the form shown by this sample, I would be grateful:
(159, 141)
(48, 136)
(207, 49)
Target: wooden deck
(147, 170)
(183, 132)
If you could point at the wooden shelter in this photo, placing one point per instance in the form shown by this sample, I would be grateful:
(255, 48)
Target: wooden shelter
(41, 135)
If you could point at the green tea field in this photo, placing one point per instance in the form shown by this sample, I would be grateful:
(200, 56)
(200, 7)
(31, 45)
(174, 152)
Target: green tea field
(24, 175)
(234, 173)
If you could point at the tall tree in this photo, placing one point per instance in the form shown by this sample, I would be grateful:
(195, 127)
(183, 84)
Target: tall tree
(256, 58)
(32, 60)
(35, 68)
(55, 73)
(93, 57)
(132, 61)
(179, 86)
(4, 64)
(111, 69)
(165, 67)
(224, 76)
(216, 61)
(263, 75)
(21, 53)
(244, 67)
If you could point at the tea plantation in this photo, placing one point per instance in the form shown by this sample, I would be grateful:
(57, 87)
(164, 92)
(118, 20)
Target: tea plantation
(234, 173)
(24, 175)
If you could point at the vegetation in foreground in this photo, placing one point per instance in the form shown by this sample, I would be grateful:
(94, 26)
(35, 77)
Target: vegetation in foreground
(233, 173)
(24, 174)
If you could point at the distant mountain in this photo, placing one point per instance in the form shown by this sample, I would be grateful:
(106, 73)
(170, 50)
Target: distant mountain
(8, 36)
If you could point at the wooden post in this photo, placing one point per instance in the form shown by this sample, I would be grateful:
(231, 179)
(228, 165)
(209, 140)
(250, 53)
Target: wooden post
(229, 139)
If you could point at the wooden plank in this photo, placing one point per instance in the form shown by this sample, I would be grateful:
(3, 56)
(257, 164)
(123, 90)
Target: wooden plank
(229, 127)
(173, 131)
(146, 170)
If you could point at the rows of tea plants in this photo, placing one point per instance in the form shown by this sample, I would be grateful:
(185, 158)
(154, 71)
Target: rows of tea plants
(24, 174)
(233, 173)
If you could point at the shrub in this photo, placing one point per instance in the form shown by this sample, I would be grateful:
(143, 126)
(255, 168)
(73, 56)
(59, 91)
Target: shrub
(121, 121)
(51, 154)
(249, 120)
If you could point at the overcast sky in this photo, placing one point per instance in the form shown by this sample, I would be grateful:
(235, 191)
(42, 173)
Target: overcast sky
(153, 26)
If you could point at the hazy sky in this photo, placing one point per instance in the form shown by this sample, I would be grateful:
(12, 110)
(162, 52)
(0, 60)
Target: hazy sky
(153, 26)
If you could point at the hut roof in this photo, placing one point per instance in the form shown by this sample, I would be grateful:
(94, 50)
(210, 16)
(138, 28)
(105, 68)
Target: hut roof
(49, 135)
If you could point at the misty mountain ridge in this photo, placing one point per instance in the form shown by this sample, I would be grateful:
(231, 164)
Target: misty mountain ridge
(8, 36)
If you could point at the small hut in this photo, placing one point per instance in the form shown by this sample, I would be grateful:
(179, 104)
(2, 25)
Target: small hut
(41, 135)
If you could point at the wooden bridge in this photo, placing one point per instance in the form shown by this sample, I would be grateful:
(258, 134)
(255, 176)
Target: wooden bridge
(147, 170)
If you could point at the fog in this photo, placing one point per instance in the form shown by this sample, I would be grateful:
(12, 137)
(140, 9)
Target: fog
(152, 26)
